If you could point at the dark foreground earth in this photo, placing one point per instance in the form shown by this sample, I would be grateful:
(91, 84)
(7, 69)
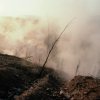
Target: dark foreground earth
(20, 80)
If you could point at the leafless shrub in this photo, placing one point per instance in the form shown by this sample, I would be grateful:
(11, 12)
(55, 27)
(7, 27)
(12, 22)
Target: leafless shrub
(77, 69)
(53, 45)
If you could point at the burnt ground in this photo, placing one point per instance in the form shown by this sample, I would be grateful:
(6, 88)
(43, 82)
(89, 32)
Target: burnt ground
(83, 88)
(19, 80)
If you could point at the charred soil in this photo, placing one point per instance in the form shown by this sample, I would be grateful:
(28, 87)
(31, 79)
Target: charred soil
(19, 80)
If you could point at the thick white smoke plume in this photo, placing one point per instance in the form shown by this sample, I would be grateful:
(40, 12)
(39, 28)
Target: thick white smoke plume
(32, 38)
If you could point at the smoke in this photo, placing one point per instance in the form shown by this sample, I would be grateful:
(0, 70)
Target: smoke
(81, 45)
(31, 38)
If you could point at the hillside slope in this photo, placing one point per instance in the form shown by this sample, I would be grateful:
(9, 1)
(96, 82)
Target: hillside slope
(19, 80)
(18, 76)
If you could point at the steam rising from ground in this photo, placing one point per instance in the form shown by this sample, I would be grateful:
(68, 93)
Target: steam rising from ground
(32, 38)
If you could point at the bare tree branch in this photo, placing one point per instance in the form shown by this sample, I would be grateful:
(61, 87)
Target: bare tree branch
(43, 67)
(77, 68)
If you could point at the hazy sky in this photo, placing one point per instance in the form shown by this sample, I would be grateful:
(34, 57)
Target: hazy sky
(60, 9)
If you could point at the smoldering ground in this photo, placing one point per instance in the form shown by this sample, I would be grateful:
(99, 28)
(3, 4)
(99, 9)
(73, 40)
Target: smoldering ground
(31, 38)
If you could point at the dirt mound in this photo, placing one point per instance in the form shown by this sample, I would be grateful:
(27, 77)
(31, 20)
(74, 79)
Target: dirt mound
(84, 88)
(19, 81)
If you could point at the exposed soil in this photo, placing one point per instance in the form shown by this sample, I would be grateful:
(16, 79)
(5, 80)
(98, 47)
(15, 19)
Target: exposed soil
(83, 88)
(19, 81)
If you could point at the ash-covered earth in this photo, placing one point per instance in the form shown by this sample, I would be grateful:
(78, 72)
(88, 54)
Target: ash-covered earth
(20, 80)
